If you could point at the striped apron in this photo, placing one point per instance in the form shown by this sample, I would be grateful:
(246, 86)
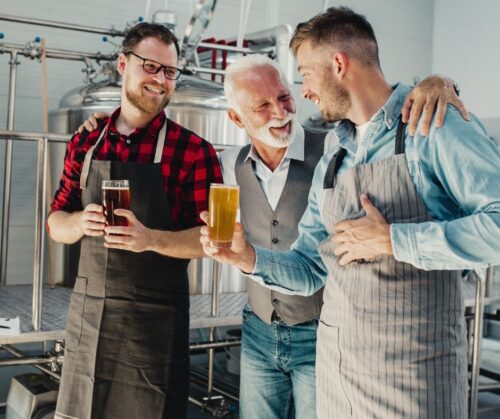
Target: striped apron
(391, 340)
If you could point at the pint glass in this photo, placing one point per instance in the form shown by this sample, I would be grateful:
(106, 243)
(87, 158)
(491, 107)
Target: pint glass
(115, 194)
(223, 206)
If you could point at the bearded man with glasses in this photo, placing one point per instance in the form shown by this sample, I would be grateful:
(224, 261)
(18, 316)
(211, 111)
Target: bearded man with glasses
(127, 336)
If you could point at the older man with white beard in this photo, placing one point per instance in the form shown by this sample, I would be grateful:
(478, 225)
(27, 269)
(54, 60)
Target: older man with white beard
(274, 173)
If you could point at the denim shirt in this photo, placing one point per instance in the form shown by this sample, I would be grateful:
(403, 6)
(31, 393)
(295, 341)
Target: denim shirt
(456, 172)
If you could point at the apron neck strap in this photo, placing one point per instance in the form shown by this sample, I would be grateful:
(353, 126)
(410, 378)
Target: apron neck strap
(88, 157)
(160, 143)
(399, 147)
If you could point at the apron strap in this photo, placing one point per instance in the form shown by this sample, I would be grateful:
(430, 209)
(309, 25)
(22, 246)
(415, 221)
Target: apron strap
(333, 168)
(88, 158)
(160, 143)
(400, 139)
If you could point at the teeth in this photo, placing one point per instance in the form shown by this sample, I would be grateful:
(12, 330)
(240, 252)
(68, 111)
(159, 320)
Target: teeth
(153, 90)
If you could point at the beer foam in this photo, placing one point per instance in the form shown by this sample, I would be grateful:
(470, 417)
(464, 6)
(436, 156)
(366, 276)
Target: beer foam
(116, 188)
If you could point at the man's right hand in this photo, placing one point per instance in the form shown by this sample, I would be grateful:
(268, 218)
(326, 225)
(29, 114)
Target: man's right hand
(91, 123)
(241, 253)
(92, 221)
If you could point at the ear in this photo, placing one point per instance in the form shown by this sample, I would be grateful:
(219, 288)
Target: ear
(233, 116)
(121, 63)
(340, 64)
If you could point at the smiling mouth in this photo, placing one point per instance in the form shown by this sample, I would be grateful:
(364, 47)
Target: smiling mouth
(284, 129)
(154, 90)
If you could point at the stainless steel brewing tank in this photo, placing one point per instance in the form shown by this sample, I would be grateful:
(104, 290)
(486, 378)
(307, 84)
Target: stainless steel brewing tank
(198, 105)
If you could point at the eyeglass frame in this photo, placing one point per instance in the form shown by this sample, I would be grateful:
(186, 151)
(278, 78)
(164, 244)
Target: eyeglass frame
(180, 71)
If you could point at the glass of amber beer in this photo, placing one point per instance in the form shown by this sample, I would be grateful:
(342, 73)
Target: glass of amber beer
(223, 207)
(115, 194)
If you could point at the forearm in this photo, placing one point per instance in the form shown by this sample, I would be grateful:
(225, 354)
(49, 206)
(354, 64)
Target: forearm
(465, 243)
(64, 227)
(292, 272)
(183, 244)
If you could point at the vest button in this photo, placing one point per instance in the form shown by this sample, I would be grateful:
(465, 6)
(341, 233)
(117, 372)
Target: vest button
(275, 240)
(275, 301)
(128, 141)
(275, 222)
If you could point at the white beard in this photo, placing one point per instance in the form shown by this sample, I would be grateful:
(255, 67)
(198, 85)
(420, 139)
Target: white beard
(264, 134)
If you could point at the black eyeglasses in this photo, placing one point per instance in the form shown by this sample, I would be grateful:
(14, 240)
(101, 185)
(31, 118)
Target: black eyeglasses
(153, 67)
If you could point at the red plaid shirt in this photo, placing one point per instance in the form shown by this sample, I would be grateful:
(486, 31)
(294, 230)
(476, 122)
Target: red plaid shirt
(189, 165)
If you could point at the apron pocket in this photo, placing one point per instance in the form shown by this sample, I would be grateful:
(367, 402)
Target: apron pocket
(74, 321)
(329, 360)
(159, 332)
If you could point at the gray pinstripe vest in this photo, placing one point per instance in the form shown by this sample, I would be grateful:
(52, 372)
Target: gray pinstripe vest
(277, 230)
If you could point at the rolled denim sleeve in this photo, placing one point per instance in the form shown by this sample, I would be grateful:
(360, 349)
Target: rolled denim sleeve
(466, 164)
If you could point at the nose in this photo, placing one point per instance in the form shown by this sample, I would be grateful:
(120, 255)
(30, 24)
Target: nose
(305, 92)
(160, 77)
(279, 109)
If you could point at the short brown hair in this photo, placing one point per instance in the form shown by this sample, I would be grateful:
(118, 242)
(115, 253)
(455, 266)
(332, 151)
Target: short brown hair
(342, 27)
(143, 30)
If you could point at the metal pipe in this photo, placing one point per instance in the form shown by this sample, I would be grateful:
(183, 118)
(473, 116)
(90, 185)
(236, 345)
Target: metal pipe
(194, 69)
(214, 345)
(478, 331)
(41, 205)
(4, 240)
(34, 136)
(202, 382)
(216, 273)
(489, 386)
(200, 378)
(225, 47)
(42, 368)
(61, 25)
(27, 360)
(55, 53)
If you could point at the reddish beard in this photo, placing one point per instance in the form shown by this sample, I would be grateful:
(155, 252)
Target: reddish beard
(145, 104)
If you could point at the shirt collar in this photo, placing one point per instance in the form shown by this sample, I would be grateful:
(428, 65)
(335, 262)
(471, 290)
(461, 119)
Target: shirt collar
(390, 113)
(295, 149)
(152, 129)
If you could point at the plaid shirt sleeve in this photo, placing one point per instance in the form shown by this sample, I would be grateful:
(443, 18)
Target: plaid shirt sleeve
(68, 195)
(204, 171)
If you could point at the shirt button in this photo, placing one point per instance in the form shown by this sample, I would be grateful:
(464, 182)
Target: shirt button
(128, 141)
(275, 240)
(275, 222)
(389, 121)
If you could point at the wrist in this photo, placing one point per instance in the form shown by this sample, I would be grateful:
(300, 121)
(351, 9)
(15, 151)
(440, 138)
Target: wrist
(247, 265)
(154, 241)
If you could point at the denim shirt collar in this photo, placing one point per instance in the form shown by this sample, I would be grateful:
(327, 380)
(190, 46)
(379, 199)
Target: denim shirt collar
(389, 113)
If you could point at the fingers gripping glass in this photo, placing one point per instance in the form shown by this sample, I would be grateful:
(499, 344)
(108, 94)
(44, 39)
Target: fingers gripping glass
(153, 67)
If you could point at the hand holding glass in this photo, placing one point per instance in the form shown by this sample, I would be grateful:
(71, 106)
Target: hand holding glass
(115, 194)
(223, 207)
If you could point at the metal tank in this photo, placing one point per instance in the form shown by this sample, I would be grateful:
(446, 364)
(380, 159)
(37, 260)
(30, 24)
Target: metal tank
(198, 105)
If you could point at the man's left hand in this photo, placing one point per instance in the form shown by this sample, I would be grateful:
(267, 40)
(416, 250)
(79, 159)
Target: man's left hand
(431, 95)
(364, 238)
(135, 238)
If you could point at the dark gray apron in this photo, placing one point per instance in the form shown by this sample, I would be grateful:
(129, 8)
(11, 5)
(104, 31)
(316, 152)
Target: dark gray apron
(127, 335)
(391, 340)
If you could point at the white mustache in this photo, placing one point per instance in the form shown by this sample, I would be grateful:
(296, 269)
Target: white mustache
(280, 123)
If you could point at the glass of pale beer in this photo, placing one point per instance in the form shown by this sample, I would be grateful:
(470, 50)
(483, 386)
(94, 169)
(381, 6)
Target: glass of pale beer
(115, 194)
(223, 207)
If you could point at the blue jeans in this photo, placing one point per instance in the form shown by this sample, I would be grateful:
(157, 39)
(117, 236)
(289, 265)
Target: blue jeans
(277, 369)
